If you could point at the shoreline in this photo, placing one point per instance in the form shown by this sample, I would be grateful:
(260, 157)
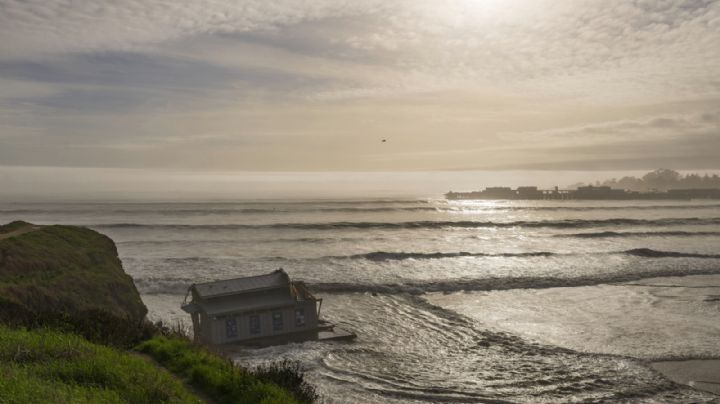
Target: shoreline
(699, 374)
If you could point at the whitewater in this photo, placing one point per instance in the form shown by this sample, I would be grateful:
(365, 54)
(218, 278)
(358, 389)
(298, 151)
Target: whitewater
(462, 301)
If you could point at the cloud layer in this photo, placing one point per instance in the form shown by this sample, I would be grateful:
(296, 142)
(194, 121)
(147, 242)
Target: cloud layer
(314, 85)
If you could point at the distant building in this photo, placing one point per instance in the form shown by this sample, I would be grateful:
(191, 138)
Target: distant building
(529, 193)
(256, 307)
(601, 192)
(703, 193)
(500, 193)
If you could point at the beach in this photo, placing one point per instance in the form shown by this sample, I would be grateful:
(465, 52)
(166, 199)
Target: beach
(702, 374)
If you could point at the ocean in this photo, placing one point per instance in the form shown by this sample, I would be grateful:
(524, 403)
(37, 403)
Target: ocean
(452, 301)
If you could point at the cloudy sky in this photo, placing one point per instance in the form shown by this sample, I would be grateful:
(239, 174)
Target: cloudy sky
(315, 85)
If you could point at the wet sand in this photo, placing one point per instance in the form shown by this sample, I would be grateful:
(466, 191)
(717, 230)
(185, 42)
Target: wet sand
(702, 374)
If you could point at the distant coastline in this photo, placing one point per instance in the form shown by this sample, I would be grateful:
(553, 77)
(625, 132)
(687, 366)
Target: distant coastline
(661, 184)
(588, 193)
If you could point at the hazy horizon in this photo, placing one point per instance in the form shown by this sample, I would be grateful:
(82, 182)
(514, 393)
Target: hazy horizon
(321, 86)
(50, 184)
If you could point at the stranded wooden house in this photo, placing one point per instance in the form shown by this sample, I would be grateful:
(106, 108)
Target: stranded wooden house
(257, 308)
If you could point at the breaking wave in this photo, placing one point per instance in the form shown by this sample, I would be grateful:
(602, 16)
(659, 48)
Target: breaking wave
(234, 241)
(612, 234)
(558, 224)
(382, 256)
(592, 208)
(176, 286)
(650, 253)
(490, 284)
(399, 256)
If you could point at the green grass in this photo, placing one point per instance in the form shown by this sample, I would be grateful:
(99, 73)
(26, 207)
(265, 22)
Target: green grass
(43, 365)
(224, 382)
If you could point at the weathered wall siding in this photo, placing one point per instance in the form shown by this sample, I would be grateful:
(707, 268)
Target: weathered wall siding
(266, 326)
(218, 334)
(311, 317)
(206, 326)
(219, 330)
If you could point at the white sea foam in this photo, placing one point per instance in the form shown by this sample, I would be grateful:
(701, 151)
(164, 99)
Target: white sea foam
(657, 318)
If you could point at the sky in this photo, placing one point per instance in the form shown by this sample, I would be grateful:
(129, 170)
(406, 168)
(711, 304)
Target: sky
(150, 90)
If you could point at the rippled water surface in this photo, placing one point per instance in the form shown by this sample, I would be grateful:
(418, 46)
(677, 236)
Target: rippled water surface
(443, 295)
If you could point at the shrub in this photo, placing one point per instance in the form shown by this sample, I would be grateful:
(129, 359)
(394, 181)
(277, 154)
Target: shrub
(223, 381)
(289, 375)
(97, 326)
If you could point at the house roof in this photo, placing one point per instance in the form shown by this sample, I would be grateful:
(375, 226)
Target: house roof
(275, 279)
(239, 304)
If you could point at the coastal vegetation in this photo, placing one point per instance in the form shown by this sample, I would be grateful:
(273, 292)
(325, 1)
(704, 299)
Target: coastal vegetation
(661, 179)
(225, 382)
(73, 329)
(44, 365)
(68, 278)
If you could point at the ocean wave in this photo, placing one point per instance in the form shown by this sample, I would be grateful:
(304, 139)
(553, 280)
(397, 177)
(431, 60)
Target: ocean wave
(176, 286)
(235, 241)
(229, 211)
(650, 253)
(558, 224)
(612, 234)
(400, 256)
(164, 286)
(231, 207)
(491, 284)
(387, 256)
(591, 208)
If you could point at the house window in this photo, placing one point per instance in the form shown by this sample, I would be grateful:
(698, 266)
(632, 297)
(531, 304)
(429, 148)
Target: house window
(300, 317)
(277, 321)
(254, 324)
(231, 328)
